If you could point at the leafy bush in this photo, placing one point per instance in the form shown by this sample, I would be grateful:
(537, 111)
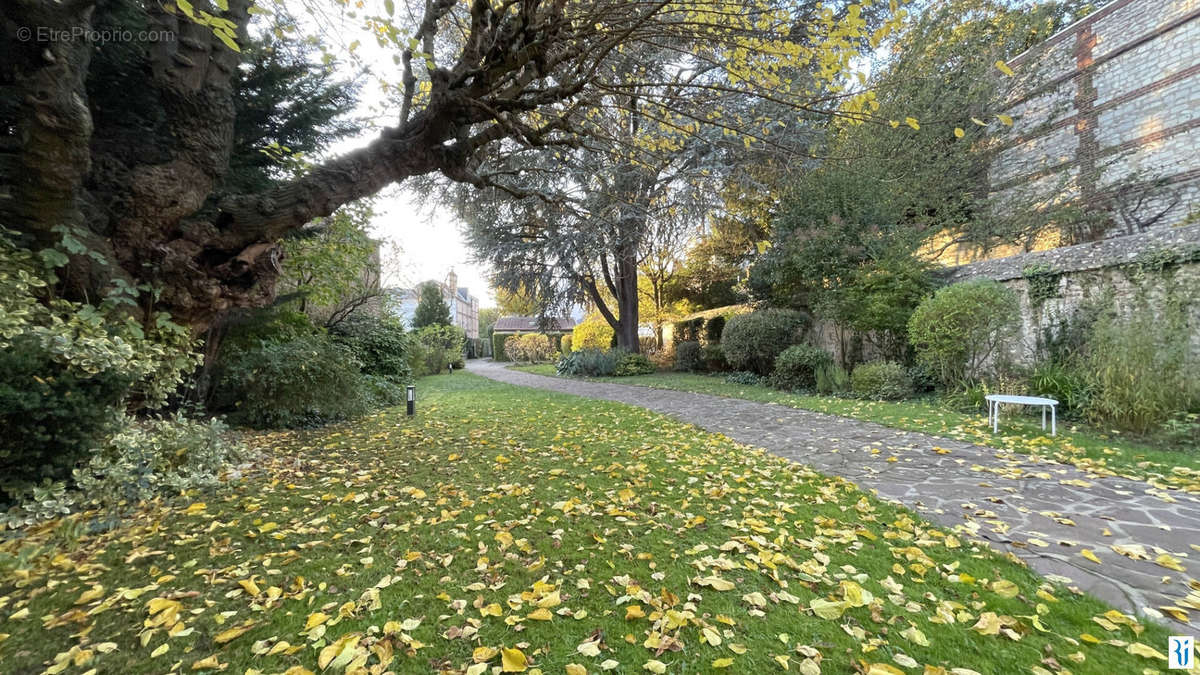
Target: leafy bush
(753, 341)
(1140, 369)
(713, 328)
(923, 378)
(426, 360)
(881, 381)
(156, 457)
(647, 344)
(633, 364)
(380, 345)
(141, 460)
(588, 363)
(961, 327)
(67, 369)
(879, 299)
(687, 357)
(51, 413)
(713, 356)
(832, 378)
(436, 347)
(301, 381)
(382, 392)
(528, 348)
(565, 344)
(743, 377)
(592, 333)
(796, 367)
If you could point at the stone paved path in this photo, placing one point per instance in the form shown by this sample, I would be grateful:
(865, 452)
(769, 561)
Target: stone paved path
(1044, 512)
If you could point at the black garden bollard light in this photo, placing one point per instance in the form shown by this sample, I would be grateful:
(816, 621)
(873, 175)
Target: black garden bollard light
(412, 399)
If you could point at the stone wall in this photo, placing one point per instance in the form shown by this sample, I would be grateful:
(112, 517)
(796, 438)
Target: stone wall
(1107, 107)
(1053, 284)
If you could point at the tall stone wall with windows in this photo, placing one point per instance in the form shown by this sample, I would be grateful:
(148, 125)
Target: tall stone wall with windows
(1108, 111)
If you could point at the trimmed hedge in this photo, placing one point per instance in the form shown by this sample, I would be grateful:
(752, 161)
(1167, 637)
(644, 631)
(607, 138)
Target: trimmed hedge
(753, 341)
(498, 346)
(687, 357)
(881, 381)
(713, 329)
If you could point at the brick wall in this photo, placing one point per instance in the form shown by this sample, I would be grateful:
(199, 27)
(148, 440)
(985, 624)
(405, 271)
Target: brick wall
(1113, 96)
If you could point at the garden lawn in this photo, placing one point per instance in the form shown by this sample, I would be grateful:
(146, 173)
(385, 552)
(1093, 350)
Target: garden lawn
(508, 528)
(1020, 430)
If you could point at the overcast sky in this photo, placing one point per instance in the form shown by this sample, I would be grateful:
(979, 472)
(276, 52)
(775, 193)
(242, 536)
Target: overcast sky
(431, 242)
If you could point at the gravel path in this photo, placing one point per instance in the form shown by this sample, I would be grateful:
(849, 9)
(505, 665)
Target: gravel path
(1044, 512)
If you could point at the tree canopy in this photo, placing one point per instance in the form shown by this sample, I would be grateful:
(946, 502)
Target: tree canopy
(431, 309)
(135, 193)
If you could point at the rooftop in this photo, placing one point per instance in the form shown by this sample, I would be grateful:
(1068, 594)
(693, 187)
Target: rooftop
(529, 324)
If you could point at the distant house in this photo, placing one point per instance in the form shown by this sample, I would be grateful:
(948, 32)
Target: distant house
(511, 325)
(464, 307)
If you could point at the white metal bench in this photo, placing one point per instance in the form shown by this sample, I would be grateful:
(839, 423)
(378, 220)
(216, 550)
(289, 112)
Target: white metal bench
(995, 400)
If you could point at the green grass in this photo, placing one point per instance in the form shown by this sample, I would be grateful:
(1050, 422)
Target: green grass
(424, 539)
(1020, 431)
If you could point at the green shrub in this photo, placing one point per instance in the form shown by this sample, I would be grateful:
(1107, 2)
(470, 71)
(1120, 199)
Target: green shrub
(68, 369)
(923, 377)
(156, 457)
(592, 333)
(426, 360)
(633, 364)
(879, 300)
(528, 348)
(301, 381)
(713, 356)
(141, 460)
(796, 367)
(382, 392)
(753, 341)
(687, 357)
(564, 344)
(380, 345)
(498, 346)
(743, 377)
(1140, 369)
(713, 328)
(881, 381)
(436, 347)
(832, 378)
(589, 363)
(51, 414)
(961, 327)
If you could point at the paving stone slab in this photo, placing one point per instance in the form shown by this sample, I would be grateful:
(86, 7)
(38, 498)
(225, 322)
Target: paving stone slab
(1017, 502)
